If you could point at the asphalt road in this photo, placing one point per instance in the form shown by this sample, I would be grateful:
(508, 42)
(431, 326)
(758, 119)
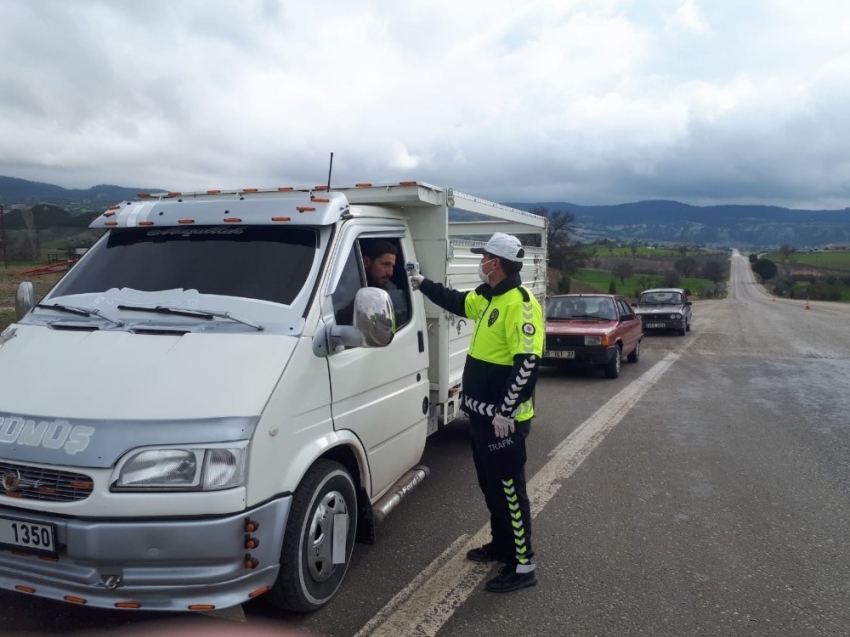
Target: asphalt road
(704, 492)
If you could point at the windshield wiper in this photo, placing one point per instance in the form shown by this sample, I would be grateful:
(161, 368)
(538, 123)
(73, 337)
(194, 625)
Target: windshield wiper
(79, 312)
(204, 314)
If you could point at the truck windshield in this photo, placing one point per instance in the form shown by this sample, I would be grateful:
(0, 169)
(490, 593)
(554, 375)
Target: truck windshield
(255, 262)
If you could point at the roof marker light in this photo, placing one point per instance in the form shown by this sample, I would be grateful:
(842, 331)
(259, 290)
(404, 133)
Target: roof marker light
(320, 199)
(285, 189)
(232, 220)
(259, 592)
(115, 207)
(407, 183)
(27, 589)
(186, 221)
(281, 219)
(202, 607)
(250, 190)
(305, 208)
(173, 194)
(75, 600)
(108, 214)
(146, 223)
(128, 605)
(213, 192)
(144, 195)
(110, 223)
(320, 188)
(364, 185)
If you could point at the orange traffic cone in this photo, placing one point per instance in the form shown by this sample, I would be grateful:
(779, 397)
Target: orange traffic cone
(808, 307)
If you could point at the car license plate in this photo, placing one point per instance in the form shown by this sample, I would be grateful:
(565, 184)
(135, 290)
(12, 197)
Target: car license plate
(31, 537)
(655, 324)
(560, 353)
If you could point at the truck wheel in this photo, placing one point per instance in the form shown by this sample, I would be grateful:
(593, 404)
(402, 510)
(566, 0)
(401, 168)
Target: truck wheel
(612, 368)
(308, 577)
(634, 357)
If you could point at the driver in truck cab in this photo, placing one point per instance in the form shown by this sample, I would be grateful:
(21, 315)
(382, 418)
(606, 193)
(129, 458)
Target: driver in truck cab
(498, 384)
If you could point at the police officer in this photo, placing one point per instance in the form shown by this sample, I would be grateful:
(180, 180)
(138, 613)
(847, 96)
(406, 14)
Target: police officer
(498, 383)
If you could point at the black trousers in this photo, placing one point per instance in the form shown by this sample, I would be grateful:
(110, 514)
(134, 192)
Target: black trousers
(500, 465)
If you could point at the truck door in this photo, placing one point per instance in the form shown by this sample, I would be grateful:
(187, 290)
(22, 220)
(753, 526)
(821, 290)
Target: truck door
(381, 394)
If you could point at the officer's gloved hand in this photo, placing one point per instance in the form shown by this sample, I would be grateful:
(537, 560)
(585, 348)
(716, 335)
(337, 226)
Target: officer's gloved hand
(503, 426)
(416, 280)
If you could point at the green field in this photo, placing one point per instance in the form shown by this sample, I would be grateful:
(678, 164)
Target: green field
(600, 279)
(831, 260)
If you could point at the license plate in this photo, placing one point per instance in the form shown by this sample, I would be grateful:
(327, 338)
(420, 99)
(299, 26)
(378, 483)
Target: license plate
(30, 537)
(560, 353)
(655, 324)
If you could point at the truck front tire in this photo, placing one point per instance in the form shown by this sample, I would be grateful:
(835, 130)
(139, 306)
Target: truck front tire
(308, 578)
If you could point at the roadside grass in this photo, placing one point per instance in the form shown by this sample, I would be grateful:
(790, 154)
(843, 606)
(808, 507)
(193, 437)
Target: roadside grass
(599, 280)
(9, 280)
(830, 260)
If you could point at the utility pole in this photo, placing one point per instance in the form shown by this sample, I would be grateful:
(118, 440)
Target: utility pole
(3, 237)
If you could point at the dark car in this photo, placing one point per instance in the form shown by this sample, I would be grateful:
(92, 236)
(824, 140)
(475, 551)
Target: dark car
(595, 330)
(663, 309)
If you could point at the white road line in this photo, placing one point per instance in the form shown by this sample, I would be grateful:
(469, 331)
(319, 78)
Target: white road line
(421, 608)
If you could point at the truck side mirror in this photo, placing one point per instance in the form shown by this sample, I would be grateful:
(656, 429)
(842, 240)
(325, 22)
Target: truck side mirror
(374, 317)
(24, 299)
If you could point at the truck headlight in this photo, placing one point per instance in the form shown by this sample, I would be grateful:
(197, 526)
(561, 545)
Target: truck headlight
(170, 469)
(593, 340)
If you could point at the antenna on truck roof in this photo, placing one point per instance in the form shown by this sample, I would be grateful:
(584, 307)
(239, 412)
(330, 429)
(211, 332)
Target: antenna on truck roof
(330, 170)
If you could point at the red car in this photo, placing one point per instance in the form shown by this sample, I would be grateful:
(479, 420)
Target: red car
(595, 330)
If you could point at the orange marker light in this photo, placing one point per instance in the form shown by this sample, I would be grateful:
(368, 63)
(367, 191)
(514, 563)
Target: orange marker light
(232, 220)
(251, 526)
(146, 223)
(82, 485)
(320, 188)
(250, 190)
(259, 592)
(281, 219)
(127, 605)
(111, 223)
(202, 607)
(186, 221)
(363, 185)
(407, 183)
(113, 207)
(213, 192)
(173, 194)
(320, 199)
(75, 600)
(305, 209)
(27, 589)
(285, 188)
(144, 195)
(108, 214)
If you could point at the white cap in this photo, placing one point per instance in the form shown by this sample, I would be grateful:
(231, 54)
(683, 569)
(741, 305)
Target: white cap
(504, 246)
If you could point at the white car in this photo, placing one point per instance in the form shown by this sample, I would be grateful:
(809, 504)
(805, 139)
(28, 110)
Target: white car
(663, 309)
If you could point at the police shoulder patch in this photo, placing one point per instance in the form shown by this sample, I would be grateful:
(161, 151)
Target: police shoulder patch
(493, 316)
(528, 329)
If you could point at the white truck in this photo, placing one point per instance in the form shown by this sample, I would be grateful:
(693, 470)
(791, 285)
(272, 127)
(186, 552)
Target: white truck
(189, 419)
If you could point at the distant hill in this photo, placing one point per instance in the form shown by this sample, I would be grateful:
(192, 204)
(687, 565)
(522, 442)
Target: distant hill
(727, 225)
(21, 191)
(650, 221)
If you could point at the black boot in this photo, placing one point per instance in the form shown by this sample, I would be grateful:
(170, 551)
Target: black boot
(509, 580)
(486, 553)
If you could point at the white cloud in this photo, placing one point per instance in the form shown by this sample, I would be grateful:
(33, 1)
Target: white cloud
(582, 100)
(688, 17)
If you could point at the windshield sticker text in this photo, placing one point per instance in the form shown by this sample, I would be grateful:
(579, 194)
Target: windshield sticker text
(194, 232)
(50, 434)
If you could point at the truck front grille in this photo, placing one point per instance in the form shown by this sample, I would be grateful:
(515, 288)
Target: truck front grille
(34, 483)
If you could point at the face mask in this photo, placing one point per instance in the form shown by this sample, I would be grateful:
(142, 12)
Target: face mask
(481, 275)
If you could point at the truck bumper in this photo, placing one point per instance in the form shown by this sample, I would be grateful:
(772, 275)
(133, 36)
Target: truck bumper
(163, 565)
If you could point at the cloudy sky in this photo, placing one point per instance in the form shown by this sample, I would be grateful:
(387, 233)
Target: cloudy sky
(587, 101)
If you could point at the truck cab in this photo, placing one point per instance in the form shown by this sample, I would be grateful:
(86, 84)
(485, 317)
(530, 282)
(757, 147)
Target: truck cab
(240, 406)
